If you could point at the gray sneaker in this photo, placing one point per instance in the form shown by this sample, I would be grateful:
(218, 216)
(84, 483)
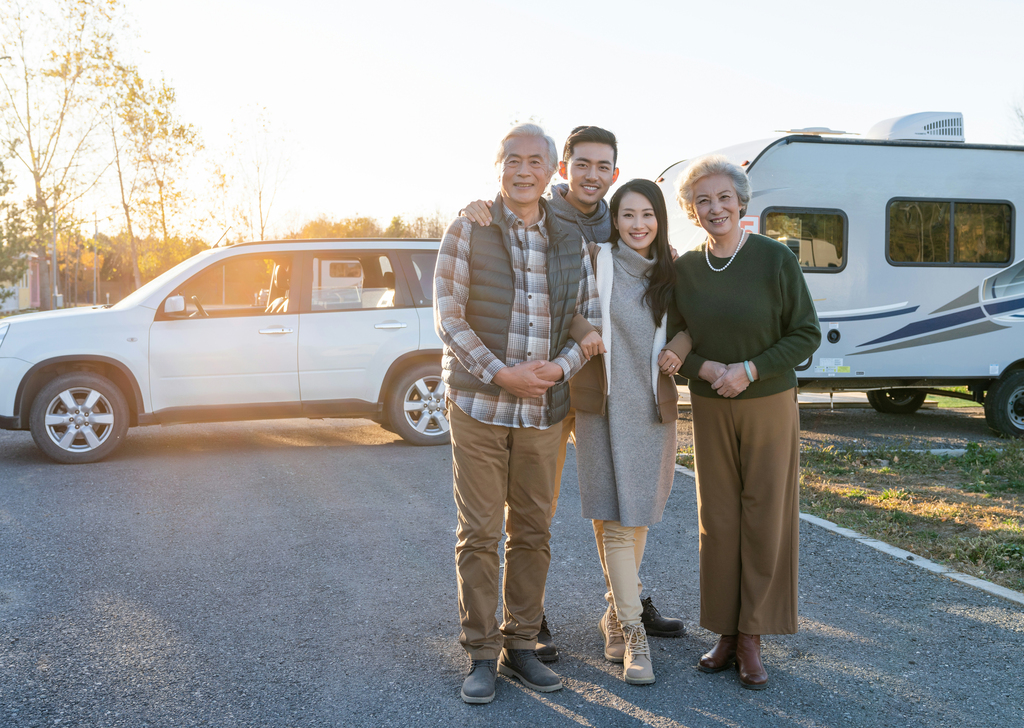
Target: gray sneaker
(478, 687)
(525, 665)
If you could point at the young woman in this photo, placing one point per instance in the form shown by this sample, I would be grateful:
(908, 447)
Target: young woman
(626, 415)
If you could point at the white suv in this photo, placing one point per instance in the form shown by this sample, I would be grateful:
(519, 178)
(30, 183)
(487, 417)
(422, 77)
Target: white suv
(304, 328)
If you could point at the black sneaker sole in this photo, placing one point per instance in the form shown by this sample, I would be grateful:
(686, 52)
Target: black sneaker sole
(658, 633)
(510, 672)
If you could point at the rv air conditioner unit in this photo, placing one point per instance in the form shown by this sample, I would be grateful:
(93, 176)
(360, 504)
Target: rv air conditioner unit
(928, 126)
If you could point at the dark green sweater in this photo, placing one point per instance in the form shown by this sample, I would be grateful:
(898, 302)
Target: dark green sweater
(758, 309)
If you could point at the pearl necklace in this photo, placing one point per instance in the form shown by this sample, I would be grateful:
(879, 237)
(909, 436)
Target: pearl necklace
(707, 244)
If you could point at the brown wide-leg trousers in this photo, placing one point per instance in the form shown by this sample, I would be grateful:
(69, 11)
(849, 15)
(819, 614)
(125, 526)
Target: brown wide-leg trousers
(747, 456)
(501, 475)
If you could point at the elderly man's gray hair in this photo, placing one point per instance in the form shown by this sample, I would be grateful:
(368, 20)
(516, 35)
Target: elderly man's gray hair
(706, 166)
(527, 130)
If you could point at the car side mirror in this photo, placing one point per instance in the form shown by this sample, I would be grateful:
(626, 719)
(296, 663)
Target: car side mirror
(174, 304)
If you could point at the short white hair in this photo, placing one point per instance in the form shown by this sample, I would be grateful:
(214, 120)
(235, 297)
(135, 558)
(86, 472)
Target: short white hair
(706, 166)
(527, 130)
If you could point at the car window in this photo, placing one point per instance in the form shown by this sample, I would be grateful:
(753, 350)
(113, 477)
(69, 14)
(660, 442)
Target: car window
(423, 265)
(352, 281)
(241, 286)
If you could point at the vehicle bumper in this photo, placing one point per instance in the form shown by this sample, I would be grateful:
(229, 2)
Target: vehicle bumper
(12, 371)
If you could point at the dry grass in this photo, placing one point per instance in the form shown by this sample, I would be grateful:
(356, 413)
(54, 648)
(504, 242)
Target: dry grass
(965, 512)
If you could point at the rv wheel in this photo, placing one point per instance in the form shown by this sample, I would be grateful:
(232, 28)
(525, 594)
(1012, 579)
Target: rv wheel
(1004, 405)
(896, 401)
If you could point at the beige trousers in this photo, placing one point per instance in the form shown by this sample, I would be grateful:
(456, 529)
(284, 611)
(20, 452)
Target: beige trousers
(502, 475)
(622, 549)
(747, 457)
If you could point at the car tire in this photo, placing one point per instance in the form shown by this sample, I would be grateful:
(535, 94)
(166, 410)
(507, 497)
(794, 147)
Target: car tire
(87, 402)
(1004, 405)
(896, 401)
(416, 406)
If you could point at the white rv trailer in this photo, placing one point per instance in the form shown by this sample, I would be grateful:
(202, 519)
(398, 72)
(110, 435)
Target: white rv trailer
(908, 240)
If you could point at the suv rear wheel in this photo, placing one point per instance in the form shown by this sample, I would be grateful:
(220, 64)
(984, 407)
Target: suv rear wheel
(416, 406)
(79, 417)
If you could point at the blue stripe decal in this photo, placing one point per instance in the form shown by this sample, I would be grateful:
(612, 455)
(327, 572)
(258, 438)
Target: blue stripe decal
(867, 316)
(1004, 306)
(939, 322)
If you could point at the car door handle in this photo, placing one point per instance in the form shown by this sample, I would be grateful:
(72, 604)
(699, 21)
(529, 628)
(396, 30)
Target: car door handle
(390, 325)
(281, 330)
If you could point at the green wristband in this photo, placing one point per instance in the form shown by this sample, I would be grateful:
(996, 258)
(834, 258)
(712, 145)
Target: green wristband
(746, 366)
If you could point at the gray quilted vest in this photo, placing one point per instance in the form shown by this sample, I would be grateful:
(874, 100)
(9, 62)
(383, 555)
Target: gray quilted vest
(491, 295)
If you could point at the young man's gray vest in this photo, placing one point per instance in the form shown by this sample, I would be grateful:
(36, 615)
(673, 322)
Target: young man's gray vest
(492, 292)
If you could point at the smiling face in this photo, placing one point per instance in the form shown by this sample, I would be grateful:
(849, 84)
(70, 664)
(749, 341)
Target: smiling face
(717, 206)
(591, 171)
(636, 223)
(524, 174)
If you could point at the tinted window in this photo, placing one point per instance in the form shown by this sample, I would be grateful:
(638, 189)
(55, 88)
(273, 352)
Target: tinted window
(817, 238)
(423, 265)
(242, 286)
(352, 280)
(949, 232)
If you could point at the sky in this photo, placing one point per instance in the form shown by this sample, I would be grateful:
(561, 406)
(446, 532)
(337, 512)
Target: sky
(396, 107)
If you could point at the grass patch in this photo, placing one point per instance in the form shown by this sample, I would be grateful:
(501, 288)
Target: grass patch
(953, 402)
(965, 512)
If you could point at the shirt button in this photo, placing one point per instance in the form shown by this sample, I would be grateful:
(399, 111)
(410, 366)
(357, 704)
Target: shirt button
(529, 270)
(529, 353)
(529, 296)
(531, 323)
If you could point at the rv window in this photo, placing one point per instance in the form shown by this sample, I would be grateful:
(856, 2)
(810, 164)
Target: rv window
(818, 238)
(919, 231)
(949, 232)
(981, 233)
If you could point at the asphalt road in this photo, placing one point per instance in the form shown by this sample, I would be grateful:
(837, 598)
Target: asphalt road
(300, 573)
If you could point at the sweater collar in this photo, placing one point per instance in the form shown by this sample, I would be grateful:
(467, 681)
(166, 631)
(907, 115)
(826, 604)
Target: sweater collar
(631, 261)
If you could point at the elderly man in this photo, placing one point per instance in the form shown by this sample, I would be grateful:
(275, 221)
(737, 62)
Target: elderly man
(504, 297)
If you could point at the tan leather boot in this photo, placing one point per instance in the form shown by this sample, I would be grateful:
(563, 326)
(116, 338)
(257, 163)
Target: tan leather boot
(614, 643)
(636, 663)
(748, 659)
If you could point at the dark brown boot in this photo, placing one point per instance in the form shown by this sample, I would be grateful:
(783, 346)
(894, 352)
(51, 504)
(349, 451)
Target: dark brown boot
(720, 656)
(748, 661)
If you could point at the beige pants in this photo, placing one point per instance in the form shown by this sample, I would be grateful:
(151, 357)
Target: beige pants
(622, 549)
(502, 475)
(747, 456)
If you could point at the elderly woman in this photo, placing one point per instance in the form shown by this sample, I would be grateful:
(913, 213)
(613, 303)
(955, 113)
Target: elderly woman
(744, 301)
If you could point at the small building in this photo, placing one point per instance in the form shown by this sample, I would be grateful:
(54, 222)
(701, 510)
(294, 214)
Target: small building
(26, 290)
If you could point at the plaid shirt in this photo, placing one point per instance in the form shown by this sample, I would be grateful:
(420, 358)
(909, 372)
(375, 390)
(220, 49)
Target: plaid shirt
(529, 337)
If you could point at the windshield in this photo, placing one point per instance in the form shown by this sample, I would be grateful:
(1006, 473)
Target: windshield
(141, 294)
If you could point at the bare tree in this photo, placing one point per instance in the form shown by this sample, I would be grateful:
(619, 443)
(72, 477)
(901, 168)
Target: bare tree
(1018, 118)
(50, 80)
(260, 166)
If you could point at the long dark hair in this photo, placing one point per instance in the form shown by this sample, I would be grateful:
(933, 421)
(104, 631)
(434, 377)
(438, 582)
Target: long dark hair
(661, 279)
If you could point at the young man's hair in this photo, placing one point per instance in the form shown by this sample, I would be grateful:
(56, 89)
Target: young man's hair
(595, 134)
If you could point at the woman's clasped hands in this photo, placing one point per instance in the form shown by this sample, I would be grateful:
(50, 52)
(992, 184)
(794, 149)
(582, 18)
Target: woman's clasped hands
(729, 380)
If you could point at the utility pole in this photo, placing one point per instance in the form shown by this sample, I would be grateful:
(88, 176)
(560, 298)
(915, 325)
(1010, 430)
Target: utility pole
(53, 263)
(95, 256)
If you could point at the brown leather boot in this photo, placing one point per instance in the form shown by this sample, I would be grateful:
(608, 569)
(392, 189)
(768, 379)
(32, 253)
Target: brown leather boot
(748, 661)
(720, 656)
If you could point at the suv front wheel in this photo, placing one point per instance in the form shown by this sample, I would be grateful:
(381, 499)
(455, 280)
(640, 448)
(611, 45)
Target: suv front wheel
(416, 406)
(79, 417)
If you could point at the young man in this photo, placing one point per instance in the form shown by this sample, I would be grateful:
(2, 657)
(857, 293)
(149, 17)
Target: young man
(504, 296)
(588, 165)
